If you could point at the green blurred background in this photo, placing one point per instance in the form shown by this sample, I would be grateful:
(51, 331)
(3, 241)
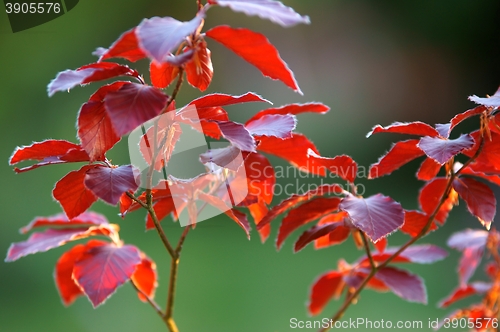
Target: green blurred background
(372, 62)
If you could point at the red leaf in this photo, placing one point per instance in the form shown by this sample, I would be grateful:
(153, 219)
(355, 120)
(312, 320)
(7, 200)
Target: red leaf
(162, 208)
(338, 230)
(431, 194)
(238, 217)
(53, 238)
(48, 152)
(343, 166)
(463, 292)
(63, 275)
(493, 101)
(260, 177)
(258, 211)
(273, 125)
(296, 199)
(480, 199)
(324, 288)
(442, 150)
(415, 221)
(162, 74)
(199, 70)
(220, 99)
(87, 218)
(488, 160)
(295, 150)
(254, 48)
(132, 105)
(305, 213)
(400, 153)
(428, 170)
(412, 128)
(160, 36)
(335, 237)
(126, 46)
(98, 71)
(271, 10)
(381, 245)
(145, 278)
(101, 270)
(377, 216)
(292, 109)
(465, 115)
(72, 194)
(404, 284)
(95, 130)
(109, 183)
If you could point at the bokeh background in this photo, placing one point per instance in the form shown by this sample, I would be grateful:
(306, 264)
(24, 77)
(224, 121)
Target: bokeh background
(372, 62)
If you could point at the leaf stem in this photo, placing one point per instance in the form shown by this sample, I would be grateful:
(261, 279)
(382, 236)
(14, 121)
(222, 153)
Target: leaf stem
(155, 306)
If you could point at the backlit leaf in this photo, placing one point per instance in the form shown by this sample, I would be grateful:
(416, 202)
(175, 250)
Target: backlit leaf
(95, 129)
(305, 213)
(377, 216)
(237, 134)
(132, 105)
(409, 287)
(68, 79)
(101, 270)
(338, 229)
(69, 290)
(199, 70)
(87, 218)
(53, 238)
(411, 128)
(400, 154)
(415, 222)
(442, 150)
(162, 74)
(463, 292)
(326, 287)
(126, 46)
(110, 183)
(428, 169)
(160, 36)
(480, 199)
(260, 177)
(273, 125)
(145, 278)
(343, 166)
(465, 115)
(48, 152)
(254, 48)
(271, 10)
(292, 109)
(430, 196)
(295, 150)
(72, 194)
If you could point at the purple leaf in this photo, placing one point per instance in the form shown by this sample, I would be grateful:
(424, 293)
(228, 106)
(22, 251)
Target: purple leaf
(271, 10)
(422, 254)
(404, 284)
(469, 238)
(110, 183)
(442, 150)
(493, 101)
(225, 157)
(52, 238)
(160, 36)
(90, 73)
(237, 134)
(273, 125)
(102, 269)
(443, 129)
(377, 216)
(319, 231)
(132, 105)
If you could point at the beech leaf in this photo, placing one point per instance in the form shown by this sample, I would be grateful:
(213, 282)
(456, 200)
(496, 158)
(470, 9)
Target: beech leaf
(276, 125)
(132, 105)
(377, 216)
(254, 48)
(160, 36)
(400, 154)
(490, 101)
(126, 46)
(110, 183)
(480, 199)
(442, 150)
(292, 109)
(101, 270)
(411, 128)
(271, 10)
(326, 287)
(408, 286)
(87, 218)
